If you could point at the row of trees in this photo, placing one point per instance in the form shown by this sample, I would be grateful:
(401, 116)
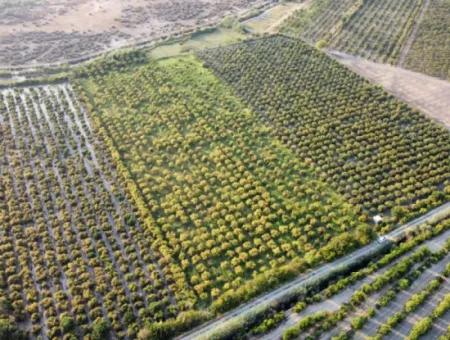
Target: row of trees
(398, 277)
(376, 30)
(379, 29)
(404, 260)
(431, 47)
(421, 234)
(424, 325)
(412, 304)
(317, 21)
(228, 200)
(77, 260)
(416, 300)
(381, 155)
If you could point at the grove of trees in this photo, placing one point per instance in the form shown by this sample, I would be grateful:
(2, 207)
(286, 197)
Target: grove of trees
(430, 51)
(146, 196)
(227, 201)
(383, 156)
(76, 261)
(376, 29)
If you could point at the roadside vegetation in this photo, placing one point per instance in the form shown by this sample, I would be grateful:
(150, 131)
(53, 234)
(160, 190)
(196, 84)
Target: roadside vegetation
(358, 294)
(375, 287)
(380, 292)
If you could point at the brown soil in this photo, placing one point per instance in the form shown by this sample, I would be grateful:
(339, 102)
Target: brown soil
(51, 31)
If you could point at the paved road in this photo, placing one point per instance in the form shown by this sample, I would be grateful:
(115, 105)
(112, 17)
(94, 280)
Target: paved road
(204, 331)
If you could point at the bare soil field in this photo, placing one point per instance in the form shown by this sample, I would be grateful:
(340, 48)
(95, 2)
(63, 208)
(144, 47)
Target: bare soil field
(49, 31)
(427, 94)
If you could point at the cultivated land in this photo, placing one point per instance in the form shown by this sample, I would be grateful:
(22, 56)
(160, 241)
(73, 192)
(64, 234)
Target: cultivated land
(362, 141)
(386, 271)
(204, 166)
(317, 21)
(375, 30)
(430, 50)
(414, 34)
(234, 192)
(72, 248)
(428, 94)
(271, 310)
(49, 31)
(269, 21)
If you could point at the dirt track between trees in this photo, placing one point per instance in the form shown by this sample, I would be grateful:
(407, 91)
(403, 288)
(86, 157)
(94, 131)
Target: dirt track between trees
(407, 47)
(427, 94)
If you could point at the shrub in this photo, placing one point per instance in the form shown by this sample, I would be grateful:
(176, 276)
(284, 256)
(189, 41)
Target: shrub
(67, 323)
(172, 327)
(9, 331)
(100, 329)
(420, 328)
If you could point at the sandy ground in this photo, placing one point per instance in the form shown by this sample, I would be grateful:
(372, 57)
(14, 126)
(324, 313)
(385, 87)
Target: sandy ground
(49, 31)
(428, 94)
